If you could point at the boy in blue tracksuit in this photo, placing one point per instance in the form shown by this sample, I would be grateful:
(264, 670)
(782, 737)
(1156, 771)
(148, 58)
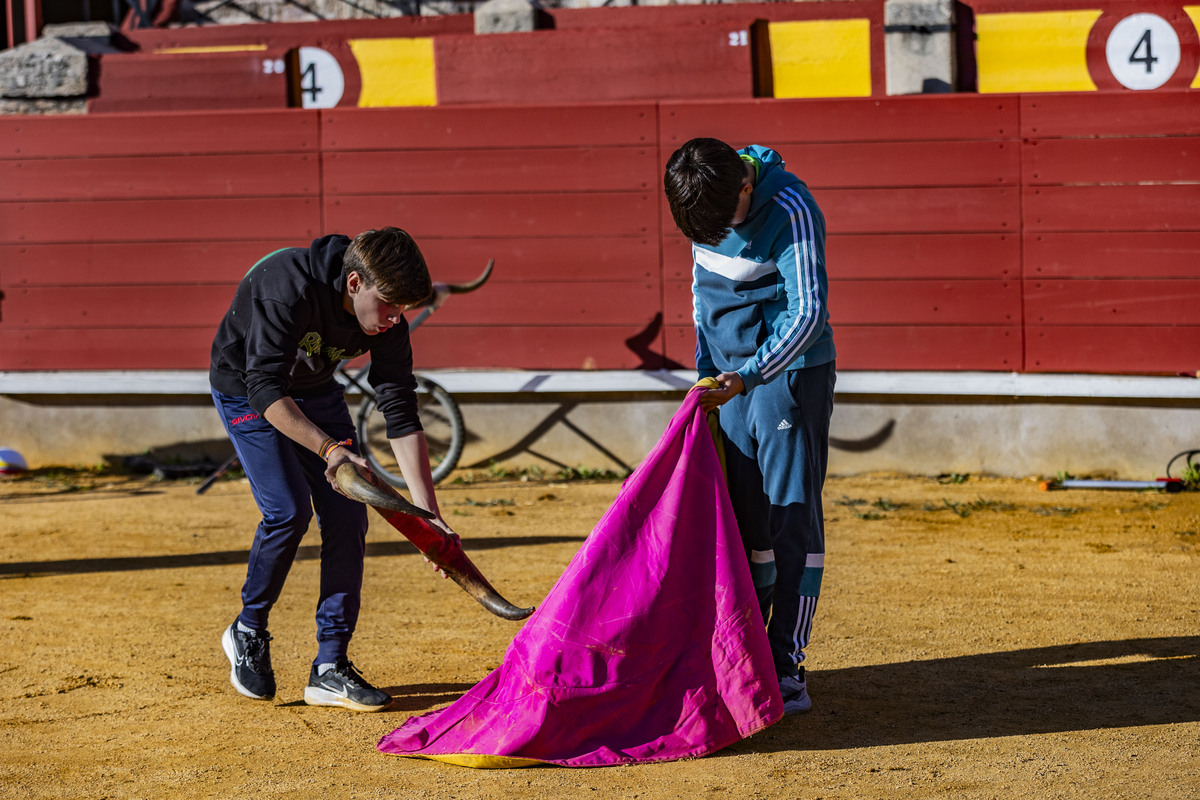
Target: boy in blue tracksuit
(762, 330)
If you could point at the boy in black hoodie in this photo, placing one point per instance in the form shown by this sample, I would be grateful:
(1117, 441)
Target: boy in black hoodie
(296, 314)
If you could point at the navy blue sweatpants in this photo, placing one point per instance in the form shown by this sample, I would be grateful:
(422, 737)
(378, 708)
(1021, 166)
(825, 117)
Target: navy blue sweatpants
(776, 440)
(288, 483)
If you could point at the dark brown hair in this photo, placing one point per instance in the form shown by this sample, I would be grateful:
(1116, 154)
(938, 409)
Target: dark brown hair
(703, 180)
(390, 260)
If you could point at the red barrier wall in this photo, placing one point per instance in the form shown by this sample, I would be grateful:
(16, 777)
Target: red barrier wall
(922, 203)
(122, 236)
(1111, 193)
(590, 55)
(1055, 233)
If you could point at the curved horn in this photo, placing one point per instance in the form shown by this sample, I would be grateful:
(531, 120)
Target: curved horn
(463, 288)
(443, 550)
(368, 491)
(467, 576)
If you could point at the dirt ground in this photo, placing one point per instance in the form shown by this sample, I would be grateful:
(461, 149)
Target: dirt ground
(975, 639)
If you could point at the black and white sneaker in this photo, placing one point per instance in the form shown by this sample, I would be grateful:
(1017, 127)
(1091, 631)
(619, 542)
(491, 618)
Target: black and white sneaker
(344, 687)
(250, 662)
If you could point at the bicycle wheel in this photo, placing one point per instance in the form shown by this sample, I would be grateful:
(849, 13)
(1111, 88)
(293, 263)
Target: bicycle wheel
(444, 434)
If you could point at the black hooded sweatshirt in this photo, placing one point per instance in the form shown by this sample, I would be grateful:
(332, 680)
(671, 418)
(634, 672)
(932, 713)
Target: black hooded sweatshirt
(287, 330)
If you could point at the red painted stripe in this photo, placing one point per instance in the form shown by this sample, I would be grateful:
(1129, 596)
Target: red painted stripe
(597, 65)
(217, 81)
(158, 134)
(902, 347)
(1108, 161)
(1113, 349)
(90, 308)
(133, 263)
(1112, 302)
(530, 215)
(781, 122)
(949, 210)
(1158, 113)
(925, 302)
(895, 302)
(523, 347)
(258, 175)
(579, 302)
(1140, 254)
(932, 255)
(575, 169)
(127, 348)
(490, 128)
(612, 259)
(1112, 208)
(903, 164)
(296, 219)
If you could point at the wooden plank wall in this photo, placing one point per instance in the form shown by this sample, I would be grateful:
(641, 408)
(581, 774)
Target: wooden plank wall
(1049, 233)
(1111, 192)
(565, 198)
(591, 55)
(924, 254)
(122, 236)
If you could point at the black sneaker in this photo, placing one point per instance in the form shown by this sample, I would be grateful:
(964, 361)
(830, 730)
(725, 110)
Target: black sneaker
(345, 687)
(250, 662)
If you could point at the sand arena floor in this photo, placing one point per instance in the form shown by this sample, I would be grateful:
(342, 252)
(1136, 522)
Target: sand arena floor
(981, 639)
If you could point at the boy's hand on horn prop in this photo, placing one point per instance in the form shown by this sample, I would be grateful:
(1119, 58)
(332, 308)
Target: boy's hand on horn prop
(335, 457)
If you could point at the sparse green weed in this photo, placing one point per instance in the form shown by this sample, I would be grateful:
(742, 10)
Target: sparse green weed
(1058, 511)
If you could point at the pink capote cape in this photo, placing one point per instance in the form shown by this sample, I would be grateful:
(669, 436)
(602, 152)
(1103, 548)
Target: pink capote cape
(650, 646)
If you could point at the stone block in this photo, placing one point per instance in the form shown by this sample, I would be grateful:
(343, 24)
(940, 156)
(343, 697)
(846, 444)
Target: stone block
(919, 46)
(46, 68)
(505, 16)
(239, 12)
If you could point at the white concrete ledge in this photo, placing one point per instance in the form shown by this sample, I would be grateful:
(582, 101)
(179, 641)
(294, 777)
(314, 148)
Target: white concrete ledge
(617, 382)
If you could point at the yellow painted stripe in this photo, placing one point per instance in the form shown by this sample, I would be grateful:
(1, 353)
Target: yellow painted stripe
(486, 762)
(395, 72)
(821, 58)
(1043, 51)
(217, 48)
(1194, 13)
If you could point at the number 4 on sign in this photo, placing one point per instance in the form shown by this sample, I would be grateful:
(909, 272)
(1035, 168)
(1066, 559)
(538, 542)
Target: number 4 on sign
(319, 82)
(1142, 51)
(1146, 47)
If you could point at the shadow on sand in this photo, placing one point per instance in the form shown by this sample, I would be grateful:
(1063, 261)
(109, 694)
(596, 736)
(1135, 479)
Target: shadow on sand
(32, 569)
(1074, 687)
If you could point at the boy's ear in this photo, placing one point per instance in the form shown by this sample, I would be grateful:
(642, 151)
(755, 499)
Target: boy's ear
(353, 281)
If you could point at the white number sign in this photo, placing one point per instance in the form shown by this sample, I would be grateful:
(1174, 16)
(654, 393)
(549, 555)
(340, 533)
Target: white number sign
(321, 79)
(1142, 51)
(739, 39)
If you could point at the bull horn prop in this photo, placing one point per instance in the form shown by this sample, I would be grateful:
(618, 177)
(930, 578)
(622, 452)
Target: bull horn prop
(434, 544)
(463, 288)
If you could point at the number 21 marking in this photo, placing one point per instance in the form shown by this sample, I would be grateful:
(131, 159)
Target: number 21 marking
(738, 39)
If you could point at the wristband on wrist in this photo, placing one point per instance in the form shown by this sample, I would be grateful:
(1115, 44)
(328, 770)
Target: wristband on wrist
(329, 445)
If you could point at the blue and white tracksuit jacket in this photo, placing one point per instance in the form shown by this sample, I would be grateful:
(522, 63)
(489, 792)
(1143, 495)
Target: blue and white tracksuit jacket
(760, 303)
